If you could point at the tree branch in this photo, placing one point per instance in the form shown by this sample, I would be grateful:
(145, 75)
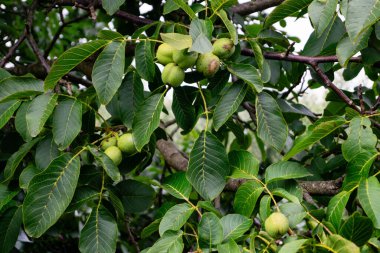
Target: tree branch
(178, 161)
(251, 7)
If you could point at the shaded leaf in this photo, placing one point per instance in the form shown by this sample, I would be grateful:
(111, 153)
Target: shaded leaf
(178, 185)
(6, 111)
(136, 196)
(210, 229)
(336, 208)
(248, 74)
(346, 49)
(20, 121)
(46, 151)
(228, 247)
(108, 165)
(111, 6)
(170, 242)
(357, 229)
(243, 164)
(369, 198)
(10, 224)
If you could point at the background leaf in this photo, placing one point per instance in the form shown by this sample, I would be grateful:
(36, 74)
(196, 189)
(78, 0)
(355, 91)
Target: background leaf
(357, 229)
(111, 6)
(10, 224)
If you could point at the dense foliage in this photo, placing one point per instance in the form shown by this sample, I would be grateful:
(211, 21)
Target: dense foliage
(167, 126)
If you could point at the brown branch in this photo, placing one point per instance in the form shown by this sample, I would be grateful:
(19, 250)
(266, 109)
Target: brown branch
(178, 161)
(12, 50)
(251, 7)
(38, 53)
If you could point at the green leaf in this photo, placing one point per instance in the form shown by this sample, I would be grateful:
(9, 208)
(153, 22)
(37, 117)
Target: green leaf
(4, 74)
(259, 57)
(293, 246)
(49, 194)
(208, 166)
(6, 111)
(358, 229)
(360, 138)
(17, 87)
(144, 60)
(369, 198)
(246, 197)
(177, 40)
(109, 35)
(136, 196)
(67, 122)
(248, 74)
(358, 169)
(285, 170)
(39, 111)
(175, 217)
(6, 195)
(228, 104)
(46, 151)
(108, 165)
(147, 119)
(228, 247)
(346, 49)
(271, 125)
(26, 175)
(108, 71)
(229, 25)
(295, 213)
(360, 16)
(150, 229)
(320, 129)
(280, 192)
(221, 4)
(234, 226)
(336, 208)
(10, 224)
(125, 109)
(340, 245)
(112, 6)
(210, 229)
(321, 13)
(82, 195)
(170, 242)
(264, 209)
(100, 233)
(170, 6)
(178, 185)
(20, 121)
(200, 31)
(286, 9)
(243, 164)
(209, 206)
(185, 7)
(71, 58)
(16, 158)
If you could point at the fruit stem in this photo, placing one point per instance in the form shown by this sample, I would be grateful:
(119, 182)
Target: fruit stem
(204, 105)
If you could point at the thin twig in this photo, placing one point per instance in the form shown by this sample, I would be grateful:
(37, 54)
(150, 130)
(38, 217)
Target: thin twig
(131, 237)
(361, 101)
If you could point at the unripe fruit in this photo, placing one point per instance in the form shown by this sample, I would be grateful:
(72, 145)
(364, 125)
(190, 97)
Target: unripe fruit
(223, 48)
(185, 59)
(125, 144)
(173, 75)
(276, 225)
(164, 53)
(208, 64)
(109, 142)
(115, 154)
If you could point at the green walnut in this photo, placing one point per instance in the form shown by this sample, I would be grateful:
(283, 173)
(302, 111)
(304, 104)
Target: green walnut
(173, 75)
(164, 53)
(276, 224)
(126, 144)
(208, 64)
(185, 59)
(114, 153)
(109, 142)
(223, 48)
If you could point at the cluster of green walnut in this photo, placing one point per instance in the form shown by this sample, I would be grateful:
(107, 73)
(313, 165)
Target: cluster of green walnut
(177, 61)
(114, 146)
